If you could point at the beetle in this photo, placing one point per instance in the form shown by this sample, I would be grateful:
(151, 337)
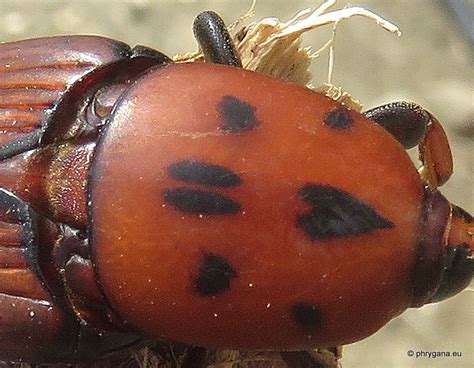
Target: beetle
(208, 205)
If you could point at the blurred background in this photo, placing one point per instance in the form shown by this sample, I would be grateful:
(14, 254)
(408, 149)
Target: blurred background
(431, 64)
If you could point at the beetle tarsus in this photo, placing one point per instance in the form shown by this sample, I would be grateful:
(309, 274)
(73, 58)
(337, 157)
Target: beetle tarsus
(435, 154)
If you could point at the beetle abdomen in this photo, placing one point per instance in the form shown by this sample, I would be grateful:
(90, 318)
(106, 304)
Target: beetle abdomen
(34, 79)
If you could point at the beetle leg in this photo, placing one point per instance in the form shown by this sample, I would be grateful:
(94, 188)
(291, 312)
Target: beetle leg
(310, 359)
(195, 358)
(148, 52)
(15, 147)
(214, 39)
(412, 125)
(436, 156)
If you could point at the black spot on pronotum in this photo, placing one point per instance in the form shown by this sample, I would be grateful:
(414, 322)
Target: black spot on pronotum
(336, 213)
(200, 202)
(338, 119)
(237, 115)
(308, 316)
(196, 172)
(215, 275)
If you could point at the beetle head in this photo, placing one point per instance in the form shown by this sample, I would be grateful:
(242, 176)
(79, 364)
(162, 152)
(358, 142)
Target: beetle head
(458, 259)
(444, 263)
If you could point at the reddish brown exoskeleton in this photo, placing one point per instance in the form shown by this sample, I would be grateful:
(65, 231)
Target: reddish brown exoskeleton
(208, 205)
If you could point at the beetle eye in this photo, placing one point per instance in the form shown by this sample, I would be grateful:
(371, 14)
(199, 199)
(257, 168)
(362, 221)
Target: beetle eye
(456, 258)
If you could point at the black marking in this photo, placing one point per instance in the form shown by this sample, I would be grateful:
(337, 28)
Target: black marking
(202, 173)
(336, 213)
(200, 202)
(215, 275)
(307, 316)
(339, 119)
(237, 115)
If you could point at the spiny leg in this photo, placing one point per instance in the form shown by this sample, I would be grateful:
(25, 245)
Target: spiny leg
(196, 358)
(412, 125)
(324, 358)
(15, 147)
(148, 52)
(214, 40)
